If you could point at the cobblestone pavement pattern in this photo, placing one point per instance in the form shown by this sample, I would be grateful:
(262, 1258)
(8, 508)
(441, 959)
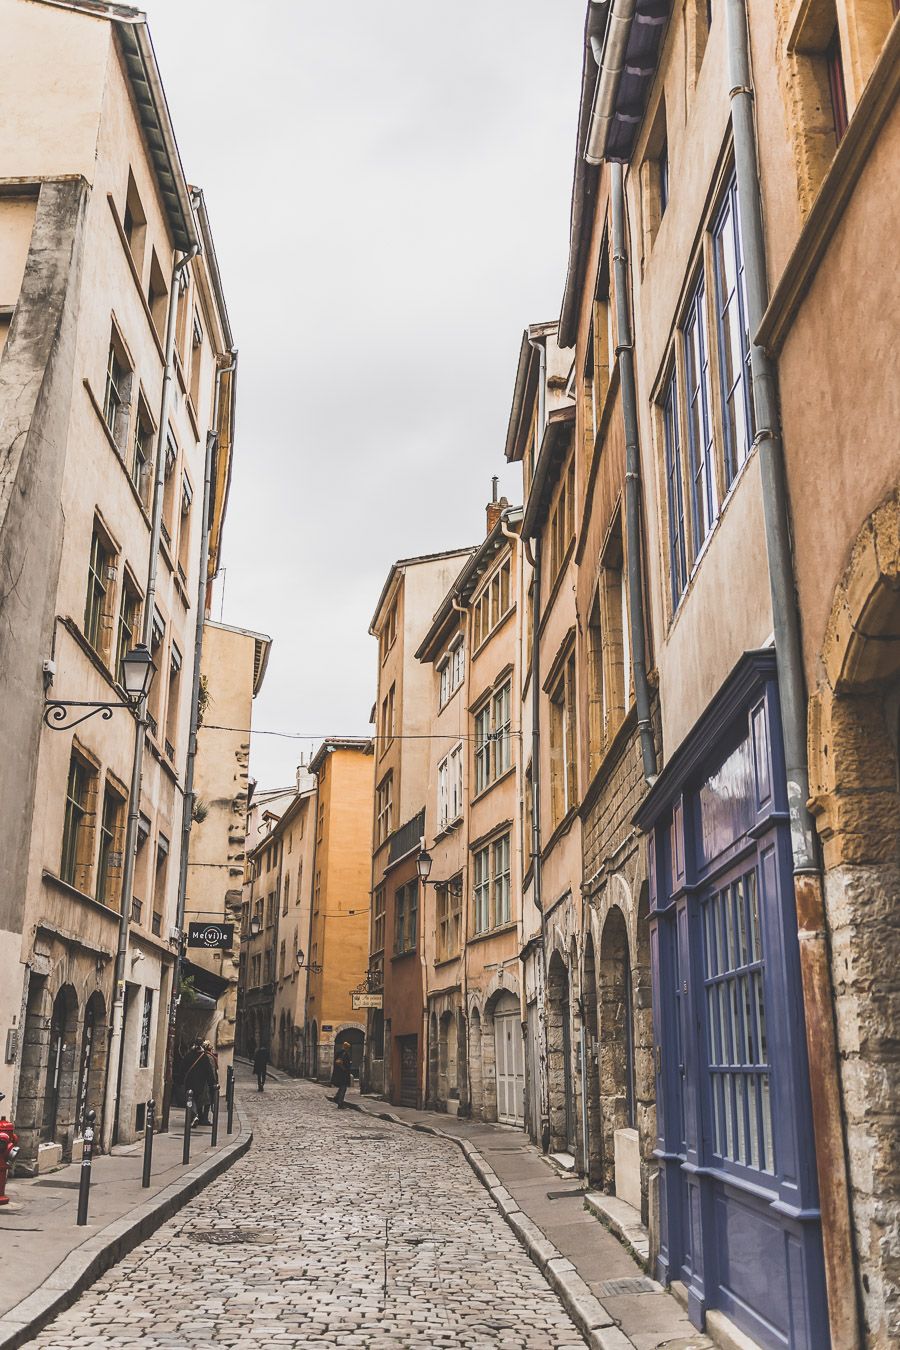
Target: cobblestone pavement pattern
(353, 1232)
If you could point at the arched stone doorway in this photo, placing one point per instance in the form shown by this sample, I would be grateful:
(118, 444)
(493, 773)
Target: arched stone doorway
(592, 1056)
(61, 1082)
(559, 1058)
(854, 762)
(434, 1061)
(462, 1063)
(618, 1095)
(475, 1079)
(356, 1039)
(448, 1083)
(314, 1051)
(92, 1063)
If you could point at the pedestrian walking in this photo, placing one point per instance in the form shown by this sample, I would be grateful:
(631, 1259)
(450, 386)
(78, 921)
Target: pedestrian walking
(260, 1065)
(202, 1080)
(340, 1074)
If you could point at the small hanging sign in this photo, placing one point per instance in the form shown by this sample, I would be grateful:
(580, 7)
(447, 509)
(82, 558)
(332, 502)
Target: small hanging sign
(212, 936)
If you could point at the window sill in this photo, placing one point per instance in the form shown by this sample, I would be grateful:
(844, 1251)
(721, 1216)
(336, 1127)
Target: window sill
(508, 927)
(448, 829)
(66, 888)
(447, 960)
(93, 656)
(502, 779)
(559, 830)
(402, 956)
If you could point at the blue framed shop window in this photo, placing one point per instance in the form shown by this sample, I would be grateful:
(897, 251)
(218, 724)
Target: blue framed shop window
(733, 335)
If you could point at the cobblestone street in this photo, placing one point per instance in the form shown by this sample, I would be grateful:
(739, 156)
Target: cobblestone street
(335, 1230)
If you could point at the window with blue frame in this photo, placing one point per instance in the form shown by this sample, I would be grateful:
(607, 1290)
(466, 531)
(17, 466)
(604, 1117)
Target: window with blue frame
(736, 1025)
(677, 542)
(733, 336)
(700, 424)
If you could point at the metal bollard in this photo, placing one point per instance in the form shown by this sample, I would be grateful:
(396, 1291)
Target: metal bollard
(84, 1179)
(149, 1124)
(188, 1126)
(229, 1097)
(214, 1137)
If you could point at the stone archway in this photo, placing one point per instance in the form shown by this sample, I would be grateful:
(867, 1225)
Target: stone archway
(854, 761)
(618, 1096)
(314, 1051)
(589, 1002)
(559, 1058)
(60, 1084)
(434, 1061)
(92, 1061)
(462, 1062)
(448, 1085)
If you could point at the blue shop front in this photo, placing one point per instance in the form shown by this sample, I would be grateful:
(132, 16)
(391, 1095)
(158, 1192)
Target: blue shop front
(739, 1215)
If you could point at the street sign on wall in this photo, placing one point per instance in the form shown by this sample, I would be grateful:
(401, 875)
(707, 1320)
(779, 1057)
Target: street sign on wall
(368, 1001)
(211, 936)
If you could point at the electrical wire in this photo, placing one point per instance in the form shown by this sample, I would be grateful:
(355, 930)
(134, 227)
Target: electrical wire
(398, 736)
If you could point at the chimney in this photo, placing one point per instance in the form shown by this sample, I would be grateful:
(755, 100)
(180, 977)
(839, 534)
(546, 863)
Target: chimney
(495, 508)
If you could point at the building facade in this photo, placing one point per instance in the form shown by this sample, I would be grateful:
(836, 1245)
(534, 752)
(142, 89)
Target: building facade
(116, 330)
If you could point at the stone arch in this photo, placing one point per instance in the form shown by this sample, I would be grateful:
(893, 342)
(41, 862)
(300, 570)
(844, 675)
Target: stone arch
(591, 1027)
(854, 762)
(644, 1053)
(61, 1082)
(618, 1097)
(559, 1055)
(462, 1061)
(92, 1061)
(448, 1081)
(353, 1033)
(314, 1051)
(434, 1058)
(475, 1074)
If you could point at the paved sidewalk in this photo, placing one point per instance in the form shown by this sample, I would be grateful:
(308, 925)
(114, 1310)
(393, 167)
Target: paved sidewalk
(648, 1317)
(44, 1248)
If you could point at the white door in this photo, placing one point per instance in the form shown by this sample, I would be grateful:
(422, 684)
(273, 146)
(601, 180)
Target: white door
(510, 1059)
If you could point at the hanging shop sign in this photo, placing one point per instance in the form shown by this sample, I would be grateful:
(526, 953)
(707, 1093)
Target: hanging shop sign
(211, 936)
(368, 1001)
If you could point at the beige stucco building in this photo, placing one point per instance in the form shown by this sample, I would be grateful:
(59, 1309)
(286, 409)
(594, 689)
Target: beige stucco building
(96, 214)
(233, 666)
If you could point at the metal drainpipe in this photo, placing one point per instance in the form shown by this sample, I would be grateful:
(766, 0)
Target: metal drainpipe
(114, 1055)
(464, 920)
(187, 804)
(815, 963)
(625, 354)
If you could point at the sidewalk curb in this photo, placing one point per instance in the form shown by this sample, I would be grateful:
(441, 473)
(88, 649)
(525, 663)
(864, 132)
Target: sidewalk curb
(77, 1271)
(587, 1312)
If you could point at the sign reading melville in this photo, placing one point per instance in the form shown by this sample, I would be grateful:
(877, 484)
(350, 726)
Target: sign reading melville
(212, 936)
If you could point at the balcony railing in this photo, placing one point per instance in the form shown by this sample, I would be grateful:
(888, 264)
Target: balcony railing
(407, 838)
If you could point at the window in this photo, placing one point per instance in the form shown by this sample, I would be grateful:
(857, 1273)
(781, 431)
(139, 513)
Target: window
(384, 809)
(154, 698)
(599, 357)
(157, 295)
(173, 706)
(388, 634)
(142, 453)
(271, 910)
(563, 770)
(675, 491)
(282, 958)
(733, 335)
(655, 178)
(387, 718)
(834, 64)
(378, 919)
(493, 748)
(528, 805)
(134, 223)
(406, 918)
(196, 360)
(299, 895)
(449, 918)
(169, 488)
(614, 621)
(450, 798)
(492, 885)
(109, 861)
(562, 521)
(451, 671)
(77, 845)
(101, 573)
(493, 604)
(146, 1029)
(736, 1024)
(285, 893)
(159, 882)
(596, 699)
(184, 529)
(257, 972)
(117, 393)
(700, 436)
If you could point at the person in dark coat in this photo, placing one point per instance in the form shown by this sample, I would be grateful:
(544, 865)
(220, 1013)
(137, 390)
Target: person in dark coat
(340, 1074)
(260, 1065)
(202, 1080)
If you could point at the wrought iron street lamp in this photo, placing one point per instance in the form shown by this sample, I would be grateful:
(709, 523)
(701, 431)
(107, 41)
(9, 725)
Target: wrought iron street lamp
(138, 669)
(302, 963)
(255, 926)
(423, 866)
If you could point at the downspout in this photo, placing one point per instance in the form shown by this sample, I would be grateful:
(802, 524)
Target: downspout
(114, 1055)
(610, 57)
(815, 962)
(309, 931)
(464, 955)
(187, 805)
(625, 356)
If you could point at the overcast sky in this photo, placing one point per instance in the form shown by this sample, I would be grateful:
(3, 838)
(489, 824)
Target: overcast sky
(388, 183)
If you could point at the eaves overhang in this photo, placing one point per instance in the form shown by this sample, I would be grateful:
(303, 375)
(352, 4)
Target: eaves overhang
(364, 744)
(159, 134)
(627, 67)
(554, 447)
(584, 179)
(527, 372)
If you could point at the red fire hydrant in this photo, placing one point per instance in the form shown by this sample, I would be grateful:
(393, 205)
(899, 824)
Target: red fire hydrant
(9, 1147)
